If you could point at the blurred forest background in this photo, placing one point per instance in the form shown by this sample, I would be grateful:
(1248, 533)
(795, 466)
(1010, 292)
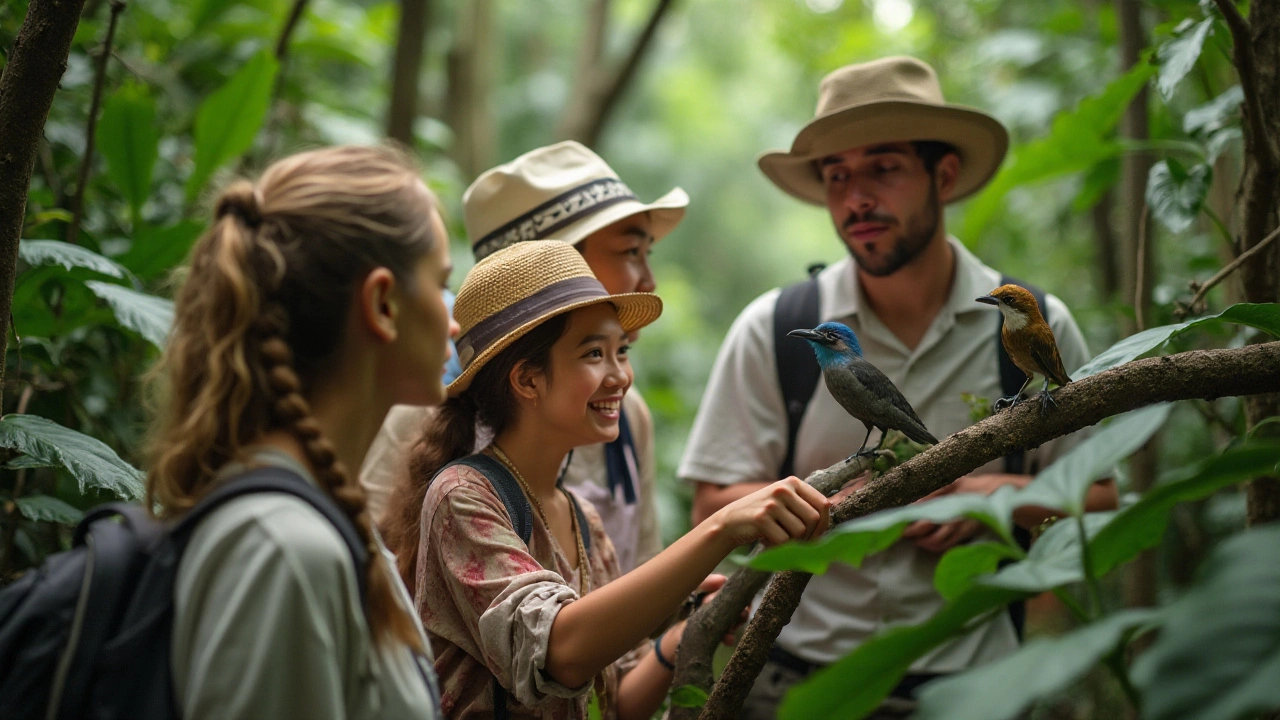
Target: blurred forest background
(1114, 108)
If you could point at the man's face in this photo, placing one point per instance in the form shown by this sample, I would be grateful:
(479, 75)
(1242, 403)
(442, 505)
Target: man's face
(886, 207)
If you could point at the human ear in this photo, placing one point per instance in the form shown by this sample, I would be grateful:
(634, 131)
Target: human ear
(377, 304)
(945, 174)
(525, 382)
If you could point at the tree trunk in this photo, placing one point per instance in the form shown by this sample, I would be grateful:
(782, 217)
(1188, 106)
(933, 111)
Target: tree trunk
(1257, 59)
(36, 62)
(1105, 248)
(470, 71)
(406, 66)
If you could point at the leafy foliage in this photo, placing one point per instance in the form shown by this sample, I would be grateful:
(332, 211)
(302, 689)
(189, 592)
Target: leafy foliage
(90, 461)
(229, 119)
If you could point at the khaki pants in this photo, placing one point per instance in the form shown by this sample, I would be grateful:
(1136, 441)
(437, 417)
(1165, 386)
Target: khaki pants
(774, 682)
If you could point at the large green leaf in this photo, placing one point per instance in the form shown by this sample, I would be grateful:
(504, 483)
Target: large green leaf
(1064, 484)
(1218, 655)
(129, 141)
(1220, 112)
(1039, 669)
(148, 315)
(155, 251)
(88, 460)
(961, 564)
(49, 509)
(230, 118)
(858, 682)
(1142, 524)
(56, 252)
(1077, 141)
(1054, 559)
(856, 539)
(1176, 193)
(1263, 316)
(1178, 55)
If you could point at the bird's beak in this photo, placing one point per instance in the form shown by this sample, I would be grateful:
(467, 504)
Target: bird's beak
(805, 334)
(988, 300)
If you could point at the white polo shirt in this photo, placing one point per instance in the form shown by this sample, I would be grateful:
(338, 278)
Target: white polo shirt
(740, 435)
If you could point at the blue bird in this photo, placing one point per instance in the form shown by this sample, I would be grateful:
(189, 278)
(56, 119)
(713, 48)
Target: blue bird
(860, 388)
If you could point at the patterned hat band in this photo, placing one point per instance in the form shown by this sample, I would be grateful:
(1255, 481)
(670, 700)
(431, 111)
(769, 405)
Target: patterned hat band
(559, 212)
(538, 305)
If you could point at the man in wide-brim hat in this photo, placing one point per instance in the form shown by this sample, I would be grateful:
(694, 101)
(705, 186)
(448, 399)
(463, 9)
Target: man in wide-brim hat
(884, 153)
(567, 192)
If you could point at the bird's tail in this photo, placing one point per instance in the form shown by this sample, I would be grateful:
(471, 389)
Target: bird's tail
(920, 435)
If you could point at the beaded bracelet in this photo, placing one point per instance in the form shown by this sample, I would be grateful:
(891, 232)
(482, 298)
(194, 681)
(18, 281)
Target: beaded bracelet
(657, 653)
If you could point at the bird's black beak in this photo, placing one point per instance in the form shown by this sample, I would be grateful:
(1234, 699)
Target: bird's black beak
(807, 335)
(988, 300)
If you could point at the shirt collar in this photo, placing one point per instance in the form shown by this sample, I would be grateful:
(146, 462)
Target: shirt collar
(841, 293)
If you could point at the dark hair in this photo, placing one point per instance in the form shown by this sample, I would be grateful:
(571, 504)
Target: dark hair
(254, 326)
(451, 434)
(931, 152)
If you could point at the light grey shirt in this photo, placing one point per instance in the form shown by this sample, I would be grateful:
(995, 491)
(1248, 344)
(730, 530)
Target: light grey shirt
(739, 435)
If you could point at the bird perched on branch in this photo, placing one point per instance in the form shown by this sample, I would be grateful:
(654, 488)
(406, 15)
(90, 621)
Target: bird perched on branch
(860, 388)
(1028, 340)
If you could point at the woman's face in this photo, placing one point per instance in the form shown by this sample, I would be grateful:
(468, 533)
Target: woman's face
(619, 255)
(427, 326)
(580, 395)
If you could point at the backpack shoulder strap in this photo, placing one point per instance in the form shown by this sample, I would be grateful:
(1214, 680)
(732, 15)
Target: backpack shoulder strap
(620, 458)
(508, 489)
(1011, 378)
(798, 306)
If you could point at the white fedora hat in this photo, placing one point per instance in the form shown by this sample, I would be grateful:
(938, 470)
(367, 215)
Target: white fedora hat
(562, 191)
(893, 99)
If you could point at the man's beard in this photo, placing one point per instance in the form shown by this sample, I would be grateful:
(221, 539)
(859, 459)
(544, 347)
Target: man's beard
(914, 239)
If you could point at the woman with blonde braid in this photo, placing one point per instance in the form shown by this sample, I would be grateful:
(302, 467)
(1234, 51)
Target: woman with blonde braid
(312, 304)
(533, 625)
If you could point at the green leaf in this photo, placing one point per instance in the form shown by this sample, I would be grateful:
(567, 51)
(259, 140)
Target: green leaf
(148, 315)
(155, 251)
(27, 462)
(1064, 484)
(1218, 654)
(1178, 55)
(88, 460)
(961, 564)
(1220, 112)
(856, 539)
(49, 509)
(1078, 140)
(1044, 666)
(1176, 194)
(1263, 316)
(230, 118)
(1054, 559)
(204, 12)
(854, 685)
(56, 252)
(1142, 524)
(689, 696)
(129, 141)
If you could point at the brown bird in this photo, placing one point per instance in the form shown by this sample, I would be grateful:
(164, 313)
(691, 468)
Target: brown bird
(1028, 340)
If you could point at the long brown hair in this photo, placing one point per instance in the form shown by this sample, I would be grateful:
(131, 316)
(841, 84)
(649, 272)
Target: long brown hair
(259, 317)
(451, 434)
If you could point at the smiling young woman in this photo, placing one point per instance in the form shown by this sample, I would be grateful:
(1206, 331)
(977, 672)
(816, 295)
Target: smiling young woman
(533, 627)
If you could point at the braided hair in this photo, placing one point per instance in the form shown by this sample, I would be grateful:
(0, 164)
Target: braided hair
(254, 328)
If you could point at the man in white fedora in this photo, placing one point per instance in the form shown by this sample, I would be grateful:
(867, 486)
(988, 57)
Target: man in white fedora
(567, 192)
(883, 155)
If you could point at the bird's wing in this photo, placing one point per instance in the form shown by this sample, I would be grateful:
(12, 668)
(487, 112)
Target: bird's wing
(1049, 361)
(899, 415)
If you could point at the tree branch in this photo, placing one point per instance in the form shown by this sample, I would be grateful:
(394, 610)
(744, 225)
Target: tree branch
(91, 128)
(706, 626)
(36, 61)
(1222, 274)
(286, 32)
(1204, 374)
(1255, 126)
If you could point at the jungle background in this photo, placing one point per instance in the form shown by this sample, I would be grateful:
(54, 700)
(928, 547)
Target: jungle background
(1118, 195)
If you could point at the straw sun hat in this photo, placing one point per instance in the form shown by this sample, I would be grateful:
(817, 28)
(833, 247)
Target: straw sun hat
(561, 191)
(514, 290)
(888, 100)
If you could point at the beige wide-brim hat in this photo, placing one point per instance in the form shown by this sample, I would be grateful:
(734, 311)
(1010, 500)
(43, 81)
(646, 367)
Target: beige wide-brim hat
(562, 191)
(894, 99)
(515, 289)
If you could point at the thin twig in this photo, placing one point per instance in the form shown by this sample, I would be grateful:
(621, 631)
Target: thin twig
(290, 24)
(1139, 297)
(77, 201)
(1222, 274)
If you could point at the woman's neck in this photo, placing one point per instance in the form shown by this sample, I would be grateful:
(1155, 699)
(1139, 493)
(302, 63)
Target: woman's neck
(537, 459)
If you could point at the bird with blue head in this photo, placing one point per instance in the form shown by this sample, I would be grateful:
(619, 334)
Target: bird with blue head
(860, 388)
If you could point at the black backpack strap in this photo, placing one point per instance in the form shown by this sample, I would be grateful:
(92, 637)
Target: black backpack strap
(508, 489)
(1015, 463)
(798, 306)
(620, 457)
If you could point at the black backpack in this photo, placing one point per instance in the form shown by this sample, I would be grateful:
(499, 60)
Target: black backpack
(517, 506)
(88, 633)
(798, 306)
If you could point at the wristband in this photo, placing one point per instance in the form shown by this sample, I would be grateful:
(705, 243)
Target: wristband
(657, 654)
